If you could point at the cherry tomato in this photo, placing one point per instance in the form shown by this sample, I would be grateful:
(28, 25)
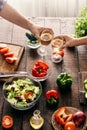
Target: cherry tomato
(61, 52)
(70, 126)
(7, 121)
(9, 54)
(4, 50)
(28, 94)
(11, 59)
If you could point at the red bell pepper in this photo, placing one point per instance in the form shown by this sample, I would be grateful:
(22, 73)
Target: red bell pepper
(52, 97)
(40, 69)
(42, 64)
(62, 117)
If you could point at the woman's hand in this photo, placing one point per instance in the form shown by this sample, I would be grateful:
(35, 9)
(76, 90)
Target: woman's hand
(68, 41)
(37, 30)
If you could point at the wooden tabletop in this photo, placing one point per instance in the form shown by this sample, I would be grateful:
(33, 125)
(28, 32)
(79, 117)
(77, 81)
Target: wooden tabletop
(74, 61)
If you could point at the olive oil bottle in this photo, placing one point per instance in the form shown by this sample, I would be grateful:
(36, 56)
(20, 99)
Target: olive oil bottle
(36, 121)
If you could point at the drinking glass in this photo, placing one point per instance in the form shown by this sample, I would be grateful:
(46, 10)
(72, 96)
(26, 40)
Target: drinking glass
(46, 38)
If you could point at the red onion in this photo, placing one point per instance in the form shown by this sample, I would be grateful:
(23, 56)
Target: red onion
(79, 118)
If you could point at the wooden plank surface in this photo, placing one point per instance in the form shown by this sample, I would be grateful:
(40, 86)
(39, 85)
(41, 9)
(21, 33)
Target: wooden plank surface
(74, 61)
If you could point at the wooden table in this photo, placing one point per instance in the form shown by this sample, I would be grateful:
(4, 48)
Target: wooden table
(74, 61)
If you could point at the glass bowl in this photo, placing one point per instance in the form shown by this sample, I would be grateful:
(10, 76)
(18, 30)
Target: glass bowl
(33, 45)
(39, 69)
(39, 78)
(22, 92)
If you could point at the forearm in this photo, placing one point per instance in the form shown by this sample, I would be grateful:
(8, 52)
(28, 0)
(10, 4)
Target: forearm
(10, 14)
(81, 41)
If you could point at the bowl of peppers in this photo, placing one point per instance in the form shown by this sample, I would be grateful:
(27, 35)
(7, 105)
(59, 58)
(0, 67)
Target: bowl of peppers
(64, 81)
(40, 71)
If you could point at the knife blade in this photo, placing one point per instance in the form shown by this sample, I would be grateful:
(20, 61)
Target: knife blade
(11, 74)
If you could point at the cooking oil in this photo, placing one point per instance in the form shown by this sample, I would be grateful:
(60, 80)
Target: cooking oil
(36, 121)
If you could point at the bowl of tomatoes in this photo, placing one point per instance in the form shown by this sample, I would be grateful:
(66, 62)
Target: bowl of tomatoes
(40, 71)
(22, 92)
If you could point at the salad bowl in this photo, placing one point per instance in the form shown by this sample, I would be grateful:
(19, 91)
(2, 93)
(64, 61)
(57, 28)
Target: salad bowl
(21, 92)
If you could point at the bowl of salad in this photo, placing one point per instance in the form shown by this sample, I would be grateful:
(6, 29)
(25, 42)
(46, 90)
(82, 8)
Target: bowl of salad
(21, 92)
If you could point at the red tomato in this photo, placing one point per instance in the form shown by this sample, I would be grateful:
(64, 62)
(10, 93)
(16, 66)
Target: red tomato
(7, 121)
(70, 126)
(2, 46)
(28, 94)
(11, 59)
(4, 50)
(9, 54)
(61, 52)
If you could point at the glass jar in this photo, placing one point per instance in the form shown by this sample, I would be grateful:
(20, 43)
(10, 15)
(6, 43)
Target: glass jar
(36, 121)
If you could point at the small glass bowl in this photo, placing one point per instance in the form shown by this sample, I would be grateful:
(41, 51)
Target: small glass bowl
(17, 105)
(33, 45)
(56, 58)
(40, 78)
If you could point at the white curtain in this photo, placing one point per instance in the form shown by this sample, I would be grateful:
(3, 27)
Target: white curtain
(48, 8)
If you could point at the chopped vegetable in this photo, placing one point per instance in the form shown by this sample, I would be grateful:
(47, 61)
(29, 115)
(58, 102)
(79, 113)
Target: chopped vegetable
(64, 81)
(21, 92)
(4, 50)
(7, 121)
(32, 39)
(11, 59)
(52, 97)
(70, 126)
(40, 69)
(61, 52)
(85, 84)
(62, 117)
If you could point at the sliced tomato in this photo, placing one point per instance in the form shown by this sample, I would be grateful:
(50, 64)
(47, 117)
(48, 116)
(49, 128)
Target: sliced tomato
(4, 50)
(70, 126)
(7, 121)
(2, 45)
(43, 64)
(28, 94)
(11, 59)
(9, 54)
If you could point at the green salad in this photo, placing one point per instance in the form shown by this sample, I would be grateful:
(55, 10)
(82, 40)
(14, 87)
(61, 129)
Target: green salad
(21, 92)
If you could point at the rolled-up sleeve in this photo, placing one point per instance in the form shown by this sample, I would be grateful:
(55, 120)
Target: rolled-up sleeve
(2, 2)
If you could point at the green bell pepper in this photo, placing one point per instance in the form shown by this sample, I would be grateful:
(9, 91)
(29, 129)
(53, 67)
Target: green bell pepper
(64, 81)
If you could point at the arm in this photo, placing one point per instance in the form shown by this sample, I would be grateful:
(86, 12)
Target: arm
(10, 14)
(70, 41)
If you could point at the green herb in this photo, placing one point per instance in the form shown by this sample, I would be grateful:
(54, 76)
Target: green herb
(81, 23)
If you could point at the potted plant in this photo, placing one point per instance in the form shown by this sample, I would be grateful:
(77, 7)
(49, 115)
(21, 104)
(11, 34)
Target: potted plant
(81, 23)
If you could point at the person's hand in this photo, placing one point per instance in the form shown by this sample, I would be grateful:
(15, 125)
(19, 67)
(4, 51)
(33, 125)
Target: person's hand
(68, 41)
(37, 30)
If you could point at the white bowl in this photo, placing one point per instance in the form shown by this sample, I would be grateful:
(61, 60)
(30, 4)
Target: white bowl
(33, 45)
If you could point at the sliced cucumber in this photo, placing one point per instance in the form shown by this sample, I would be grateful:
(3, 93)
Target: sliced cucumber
(86, 95)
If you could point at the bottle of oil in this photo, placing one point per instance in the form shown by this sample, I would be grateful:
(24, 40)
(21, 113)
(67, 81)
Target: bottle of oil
(36, 121)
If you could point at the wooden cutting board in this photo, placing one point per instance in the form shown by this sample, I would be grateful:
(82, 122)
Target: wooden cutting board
(18, 51)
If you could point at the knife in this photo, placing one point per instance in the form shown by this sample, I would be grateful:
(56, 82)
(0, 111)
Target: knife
(11, 74)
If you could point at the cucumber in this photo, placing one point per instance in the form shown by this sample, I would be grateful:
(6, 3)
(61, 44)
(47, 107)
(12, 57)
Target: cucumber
(31, 37)
(85, 84)
(85, 95)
